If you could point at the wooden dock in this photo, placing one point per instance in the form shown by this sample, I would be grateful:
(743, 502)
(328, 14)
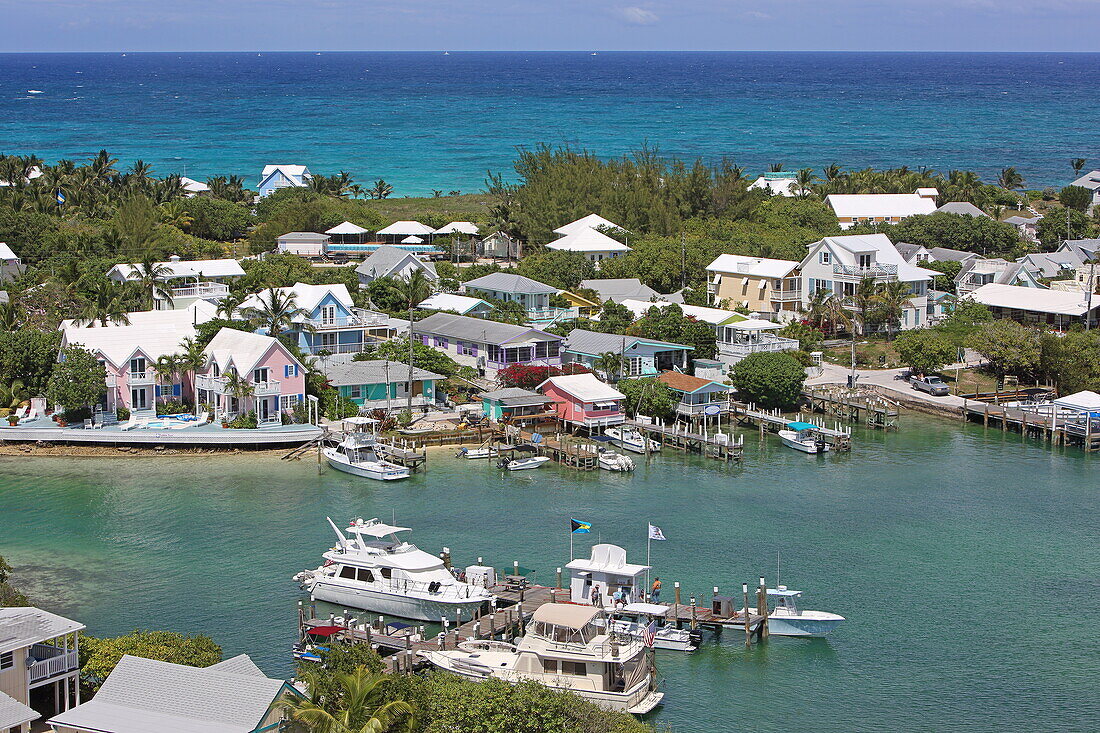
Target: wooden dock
(1035, 425)
(854, 405)
(721, 446)
(838, 437)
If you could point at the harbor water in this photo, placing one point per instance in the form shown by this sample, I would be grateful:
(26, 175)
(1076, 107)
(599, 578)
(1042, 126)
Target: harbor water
(966, 561)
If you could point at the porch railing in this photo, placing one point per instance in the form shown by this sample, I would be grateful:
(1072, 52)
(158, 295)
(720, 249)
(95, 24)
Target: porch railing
(881, 269)
(52, 662)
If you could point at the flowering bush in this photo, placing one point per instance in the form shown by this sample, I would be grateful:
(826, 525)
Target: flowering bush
(527, 376)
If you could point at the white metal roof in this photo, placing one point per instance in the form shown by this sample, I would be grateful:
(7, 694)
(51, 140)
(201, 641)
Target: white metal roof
(584, 387)
(755, 324)
(242, 349)
(592, 221)
(460, 304)
(185, 268)
(777, 186)
(290, 171)
(1038, 300)
(306, 296)
(6, 252)
(142, 695)
(458, 227)
(1084, 401)
(22, 626)
(154, 333)
(587, 240)
(346, 228)
(755, 266)
(399, 228)
(192, 186)
(14, 713)
(713, 316)
(879, 205)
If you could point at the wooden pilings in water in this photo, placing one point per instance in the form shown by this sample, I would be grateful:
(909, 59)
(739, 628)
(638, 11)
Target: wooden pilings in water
(851, 405)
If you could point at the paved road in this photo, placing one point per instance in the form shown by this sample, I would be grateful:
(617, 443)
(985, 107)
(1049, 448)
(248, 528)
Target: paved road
(834, 374)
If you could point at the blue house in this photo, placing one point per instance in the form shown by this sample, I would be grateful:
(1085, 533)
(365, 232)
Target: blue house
(278, 176)
(509, 287)
(381, 384)
(331, 322)
(642, 357)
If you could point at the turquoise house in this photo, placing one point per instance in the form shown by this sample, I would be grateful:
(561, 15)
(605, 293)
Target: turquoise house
(512, 404)
(381, 384)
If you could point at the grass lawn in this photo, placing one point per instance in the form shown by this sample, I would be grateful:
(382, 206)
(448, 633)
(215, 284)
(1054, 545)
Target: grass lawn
(871, 353)
(467, 207)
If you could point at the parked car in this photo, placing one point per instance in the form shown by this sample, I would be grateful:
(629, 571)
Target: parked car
(933, 385)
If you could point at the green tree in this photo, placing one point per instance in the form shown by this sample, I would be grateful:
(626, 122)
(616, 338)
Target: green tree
(29, 356)
(78, 380)
(9, 595)
(1071, 361)
(360, 704)
(891, 300)
(977, 234)
(670, 324)
(610, 364)
(277, 312)
(1009, 347)
(563, 270)
(380, 190)
(107, 303)
(192, 360)
(948, 269)
(769, 379)
(1060, 223)
(410, 290)
(1075, 197)
(166, 369)
(614, 318)
(98, 656)
(217, 218)
(424, 357)
(649, 396)
(924, 350)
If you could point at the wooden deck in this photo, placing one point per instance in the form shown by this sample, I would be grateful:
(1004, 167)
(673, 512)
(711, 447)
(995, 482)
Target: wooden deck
(854, 405)
(1035, 425)
(838, 437)
(721, 446)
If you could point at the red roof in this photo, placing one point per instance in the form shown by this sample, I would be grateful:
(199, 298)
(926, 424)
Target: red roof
(684, 382)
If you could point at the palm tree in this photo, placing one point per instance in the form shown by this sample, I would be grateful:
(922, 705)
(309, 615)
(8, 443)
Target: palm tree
(775, 167)
(893, 298)
(610, 363)
(1010, 179)
(238, 388)
(277, 312)
(10, 317)
(106, 304)
(804, 180)
(227, 306)
(152, 280)
(826, 311)
(361, 706)
(175, 213)
(192, 359)
(380, 190)
(1078, 164)
(411, 290)
(166, 368)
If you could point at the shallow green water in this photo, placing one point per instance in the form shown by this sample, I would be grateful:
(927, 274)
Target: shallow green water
(967, 563)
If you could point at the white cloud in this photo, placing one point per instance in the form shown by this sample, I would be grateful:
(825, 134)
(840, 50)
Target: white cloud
(638, 16)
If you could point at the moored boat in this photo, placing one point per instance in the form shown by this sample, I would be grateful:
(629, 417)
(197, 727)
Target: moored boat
(642, 620)
(356, 454)
(786, 619)
(476, 453)
(802, 436)
(374, 570)
(632, 439)
(522, 464)
(612, 461)
(566, 647)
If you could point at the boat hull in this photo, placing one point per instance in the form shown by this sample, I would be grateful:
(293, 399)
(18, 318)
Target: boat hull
(803, 626)
(370, 469)
(388, 604)
(790, 439)
(526, 464)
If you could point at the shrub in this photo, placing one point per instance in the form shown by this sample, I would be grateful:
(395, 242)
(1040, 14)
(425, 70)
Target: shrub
(924, 351)
(770, 379)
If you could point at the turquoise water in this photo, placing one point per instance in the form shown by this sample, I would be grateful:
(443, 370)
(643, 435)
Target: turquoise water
(966, 562)
(426, 121)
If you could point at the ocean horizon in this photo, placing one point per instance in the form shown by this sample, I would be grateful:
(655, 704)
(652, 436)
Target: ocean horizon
(425, 120)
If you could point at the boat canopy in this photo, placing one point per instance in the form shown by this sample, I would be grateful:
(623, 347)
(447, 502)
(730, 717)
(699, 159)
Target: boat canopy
(783, 592)
(801, 426)
(374, 528)
(325, 630)
(649, 609)
(565, 614)
(360, 420)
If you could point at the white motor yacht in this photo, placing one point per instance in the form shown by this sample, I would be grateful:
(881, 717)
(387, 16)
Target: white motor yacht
(356, 454)
(632, 439)
(565, 648)
(373, 570)
(639, 621)
(787, 620)
(802, 436)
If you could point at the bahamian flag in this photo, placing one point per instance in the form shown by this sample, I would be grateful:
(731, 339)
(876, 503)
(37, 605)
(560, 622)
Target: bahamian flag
(578, 527)
(60, 197)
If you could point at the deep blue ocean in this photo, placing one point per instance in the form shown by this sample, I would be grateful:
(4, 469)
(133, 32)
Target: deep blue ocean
(426, 121)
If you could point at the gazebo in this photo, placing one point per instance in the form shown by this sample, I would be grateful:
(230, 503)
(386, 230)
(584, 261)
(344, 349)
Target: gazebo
(348, 233)
(399, 230)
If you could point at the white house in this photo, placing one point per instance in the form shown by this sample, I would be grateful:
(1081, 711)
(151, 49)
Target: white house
(303, 244)
(281, 175)
(594, 245)
(387, 261)
(191, 279)
(592, 221)
(880, 208)
(1091, 181)
(1056, 309)
(982, 271)
(838, 264)
(39, 655)
(777, 183)
(192, 188)
(10, 264)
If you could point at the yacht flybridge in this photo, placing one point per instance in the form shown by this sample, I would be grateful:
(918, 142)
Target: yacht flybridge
(374, 570)
(566, 647)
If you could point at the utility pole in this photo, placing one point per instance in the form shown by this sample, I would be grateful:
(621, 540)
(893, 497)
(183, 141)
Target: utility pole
(683, 261)
(1088, 300)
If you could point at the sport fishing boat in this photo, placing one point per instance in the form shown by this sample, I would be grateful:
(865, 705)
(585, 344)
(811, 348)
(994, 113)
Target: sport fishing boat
(612, 461)
(642, 619)
(356, 454)
(374, 570)
(522, 464)
(787, 620)
(802, 436)
(632, 439)
(566, 647)
(475, 453)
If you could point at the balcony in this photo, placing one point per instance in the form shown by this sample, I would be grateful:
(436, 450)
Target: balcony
(764, 343)
(359, 318)
(265, 389)
(141, 379)
(353, 348)
(218, 385)
(51, 662)
(786, 296)
(858, 272)
(201, 290)
(690, 409)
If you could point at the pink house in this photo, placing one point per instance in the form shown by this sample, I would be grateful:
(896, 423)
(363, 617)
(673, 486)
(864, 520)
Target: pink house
(129, 352)
(584, 401)
(273, 380)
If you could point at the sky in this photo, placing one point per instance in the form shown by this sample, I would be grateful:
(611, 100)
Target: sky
(455, 25)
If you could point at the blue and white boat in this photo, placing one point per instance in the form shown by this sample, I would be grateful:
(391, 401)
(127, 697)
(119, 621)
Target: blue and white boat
(786, 619)
(803, 436)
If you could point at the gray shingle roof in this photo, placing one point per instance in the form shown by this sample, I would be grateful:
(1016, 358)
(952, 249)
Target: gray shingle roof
(478, 329)
(383, 260)
(13, 712)
(516, 397)
(961, 207)
(592, 343)
(374, 372)
(22, 626)
(507, 282)
(142, 695)
(304, 237)
(240, 664)
(943, 254)
(620, 289)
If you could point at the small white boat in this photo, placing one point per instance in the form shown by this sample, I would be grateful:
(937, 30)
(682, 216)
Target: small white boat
(665, 635)
(522, 464)
(35, 91)
(632, 440)
(802, 436)
(612, 461)
(787, 620)
(476, 453)
(356, 454)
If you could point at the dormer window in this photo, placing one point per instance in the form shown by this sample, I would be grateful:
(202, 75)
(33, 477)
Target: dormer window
(865, 261)
(217, 370)
(826, 257)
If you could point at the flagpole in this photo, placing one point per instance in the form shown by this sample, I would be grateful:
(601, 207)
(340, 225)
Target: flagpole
(648, 546)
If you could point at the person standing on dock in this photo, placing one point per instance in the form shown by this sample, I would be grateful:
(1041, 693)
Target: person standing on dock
(655, 591)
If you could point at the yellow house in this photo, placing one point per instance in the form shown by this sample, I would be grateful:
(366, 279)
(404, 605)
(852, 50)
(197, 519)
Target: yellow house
(762, 285)
(39, 666)
(146, 695)
(586, 307)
